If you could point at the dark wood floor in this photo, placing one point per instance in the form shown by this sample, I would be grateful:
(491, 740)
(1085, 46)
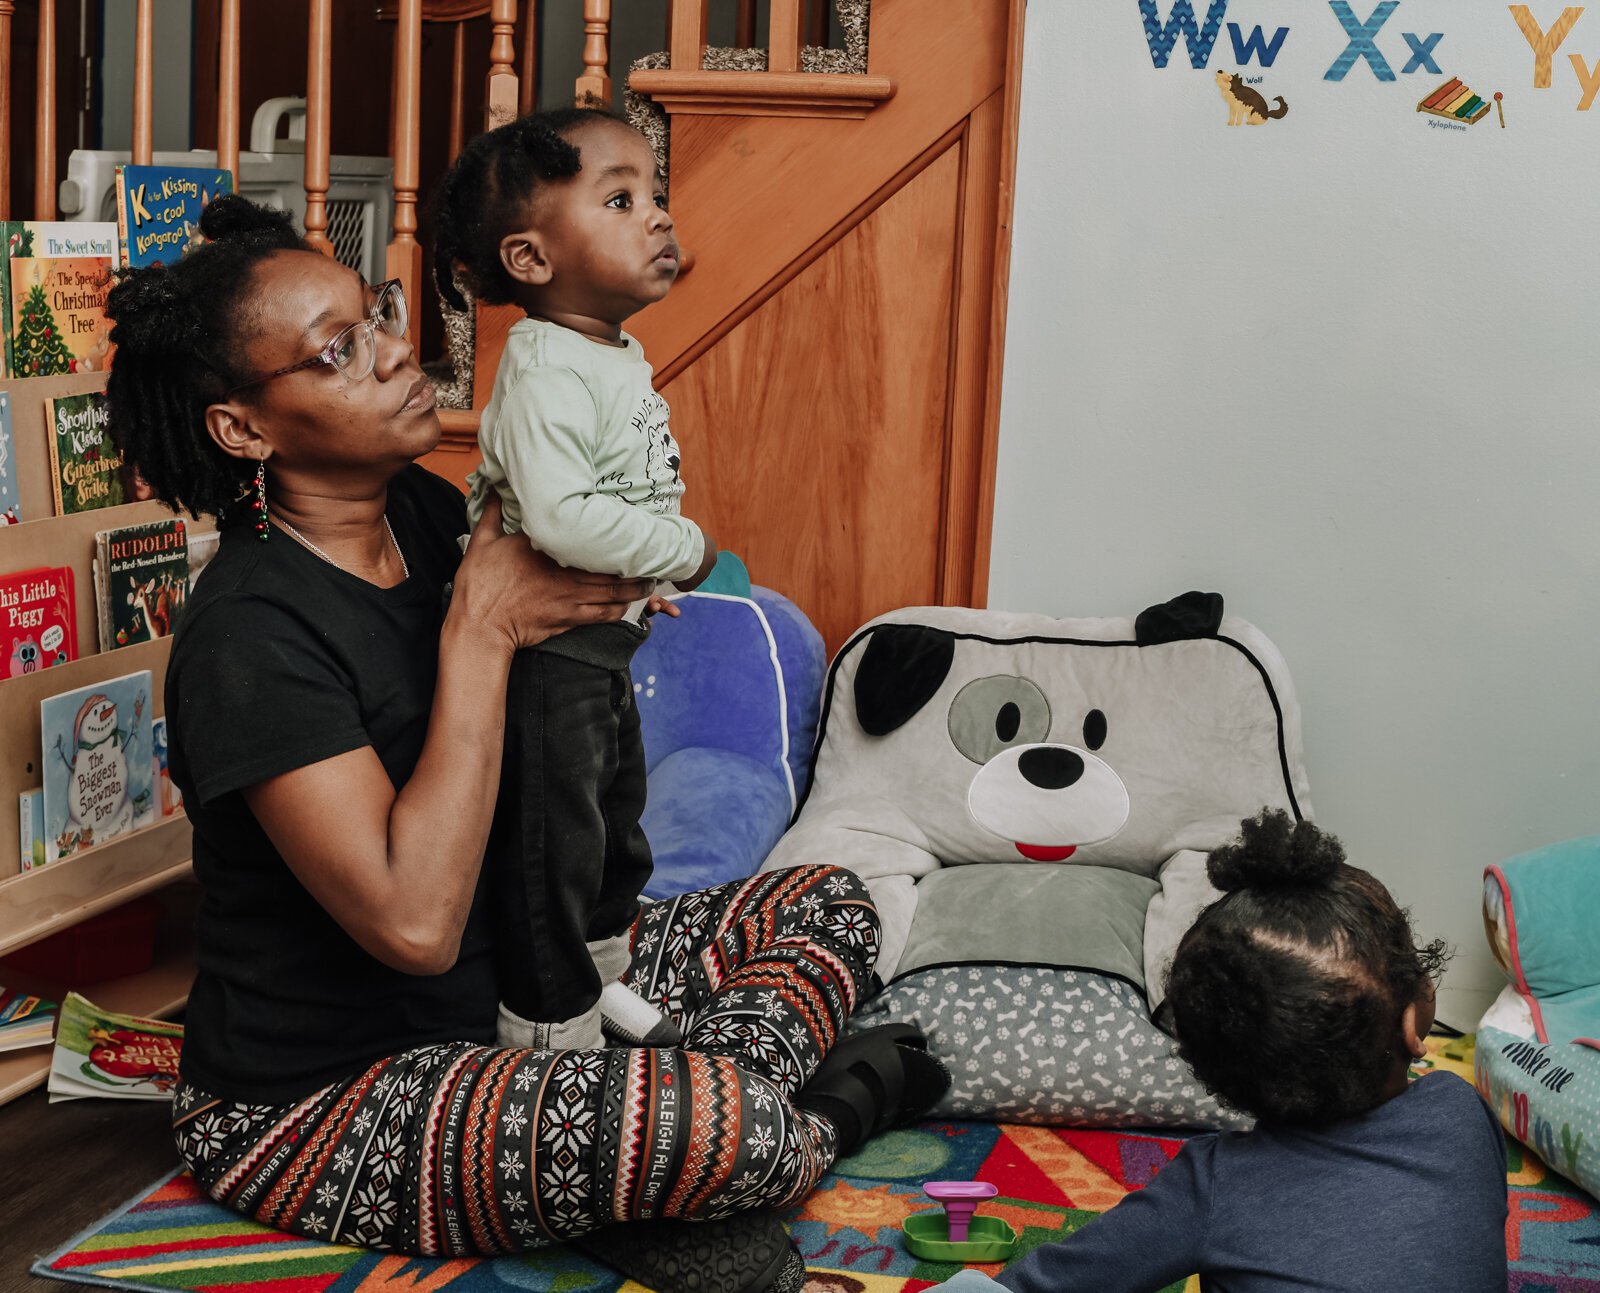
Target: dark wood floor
(64, 1166)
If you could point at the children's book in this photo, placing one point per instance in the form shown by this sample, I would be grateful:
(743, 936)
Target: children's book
(85, 464)
(141, 580)
(158, 209)
(168, 800)
(10, 499)
(30, 823)
(56, 276)
(99, 1052)
(38, 621)
(98, 760)
(25, 1020)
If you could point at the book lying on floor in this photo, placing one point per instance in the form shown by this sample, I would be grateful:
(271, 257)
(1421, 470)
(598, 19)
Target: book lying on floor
(25, 1020)
(99, 1052)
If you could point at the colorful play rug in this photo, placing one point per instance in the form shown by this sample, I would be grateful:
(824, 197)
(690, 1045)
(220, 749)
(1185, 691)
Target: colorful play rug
(1051, 1181)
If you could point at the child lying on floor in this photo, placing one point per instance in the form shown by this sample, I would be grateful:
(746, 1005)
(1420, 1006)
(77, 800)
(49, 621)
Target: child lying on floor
(1301, 998)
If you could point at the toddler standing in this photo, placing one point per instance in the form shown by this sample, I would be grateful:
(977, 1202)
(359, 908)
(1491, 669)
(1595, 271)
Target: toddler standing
(564, 214)
(1301, 998)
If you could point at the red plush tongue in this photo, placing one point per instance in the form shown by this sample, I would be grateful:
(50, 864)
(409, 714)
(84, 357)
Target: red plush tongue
(1047, 853)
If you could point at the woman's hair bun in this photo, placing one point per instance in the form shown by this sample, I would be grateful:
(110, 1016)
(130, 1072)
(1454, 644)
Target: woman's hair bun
(1275, 852)
(231, 216)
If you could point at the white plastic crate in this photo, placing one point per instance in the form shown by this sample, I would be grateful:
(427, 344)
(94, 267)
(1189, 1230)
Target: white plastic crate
(271, 172)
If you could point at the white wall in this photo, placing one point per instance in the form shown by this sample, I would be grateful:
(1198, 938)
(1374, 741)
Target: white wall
(1342, 368)
(174, 60)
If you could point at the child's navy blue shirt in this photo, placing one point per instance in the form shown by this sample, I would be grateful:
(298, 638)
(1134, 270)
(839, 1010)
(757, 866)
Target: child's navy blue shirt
(1411, 1195)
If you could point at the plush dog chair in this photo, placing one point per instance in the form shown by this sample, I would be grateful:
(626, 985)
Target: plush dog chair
(728, 695)
(1031, 802)
(1538, 1048)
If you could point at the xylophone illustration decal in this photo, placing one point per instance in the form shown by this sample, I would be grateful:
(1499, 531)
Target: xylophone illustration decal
(1455, 102)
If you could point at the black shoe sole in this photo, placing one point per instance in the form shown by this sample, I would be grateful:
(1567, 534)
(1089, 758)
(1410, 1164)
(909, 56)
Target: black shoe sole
(747, 1253)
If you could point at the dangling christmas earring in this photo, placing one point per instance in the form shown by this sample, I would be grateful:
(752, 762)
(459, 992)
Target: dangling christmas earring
(259, 502)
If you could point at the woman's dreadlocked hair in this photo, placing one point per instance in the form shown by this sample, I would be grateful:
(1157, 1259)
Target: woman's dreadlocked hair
(1288, 991)
(485, 195)
(178, 336)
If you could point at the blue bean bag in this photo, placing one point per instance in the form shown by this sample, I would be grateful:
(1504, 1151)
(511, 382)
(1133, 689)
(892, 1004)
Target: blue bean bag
(728, 697)
(1538, 1048)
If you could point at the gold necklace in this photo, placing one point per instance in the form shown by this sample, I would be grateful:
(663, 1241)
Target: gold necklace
(405, 569)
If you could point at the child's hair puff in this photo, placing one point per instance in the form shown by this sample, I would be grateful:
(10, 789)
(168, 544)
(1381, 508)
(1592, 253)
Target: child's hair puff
(1288, 991)
(486, 193)
(179, 332)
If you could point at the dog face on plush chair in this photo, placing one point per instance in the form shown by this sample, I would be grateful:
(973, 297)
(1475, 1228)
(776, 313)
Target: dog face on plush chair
(953, 737)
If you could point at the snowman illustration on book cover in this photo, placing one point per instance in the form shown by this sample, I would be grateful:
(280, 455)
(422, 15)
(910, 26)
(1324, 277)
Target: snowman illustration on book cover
(98, 762)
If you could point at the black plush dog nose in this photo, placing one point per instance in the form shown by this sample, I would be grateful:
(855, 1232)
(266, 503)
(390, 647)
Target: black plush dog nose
(1050, 767)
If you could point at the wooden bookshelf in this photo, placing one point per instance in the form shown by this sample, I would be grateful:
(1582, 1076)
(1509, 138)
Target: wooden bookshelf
(156, 993)
(35, 904)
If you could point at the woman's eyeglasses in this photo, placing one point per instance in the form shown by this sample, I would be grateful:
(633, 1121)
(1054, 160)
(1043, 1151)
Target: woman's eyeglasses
(354, 351)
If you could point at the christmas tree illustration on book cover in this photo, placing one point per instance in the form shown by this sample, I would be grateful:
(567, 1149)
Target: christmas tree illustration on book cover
(59, 274)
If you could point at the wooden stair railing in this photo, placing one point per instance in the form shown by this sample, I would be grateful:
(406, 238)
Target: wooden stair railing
(783, 90)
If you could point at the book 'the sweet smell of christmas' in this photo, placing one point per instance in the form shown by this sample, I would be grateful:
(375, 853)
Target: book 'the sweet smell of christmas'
(57, 275)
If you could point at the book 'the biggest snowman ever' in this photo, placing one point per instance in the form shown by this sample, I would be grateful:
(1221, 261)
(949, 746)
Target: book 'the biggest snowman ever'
(97, 763)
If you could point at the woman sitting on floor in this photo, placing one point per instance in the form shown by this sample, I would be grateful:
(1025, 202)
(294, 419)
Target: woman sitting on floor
(336, 702)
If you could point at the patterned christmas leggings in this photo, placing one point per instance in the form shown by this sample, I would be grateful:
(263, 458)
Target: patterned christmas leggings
(461, 1149)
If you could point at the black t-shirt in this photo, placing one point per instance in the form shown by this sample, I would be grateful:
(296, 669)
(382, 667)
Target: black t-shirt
(282, 660)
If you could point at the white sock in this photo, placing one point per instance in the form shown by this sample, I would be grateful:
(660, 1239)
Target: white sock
(627, 1017)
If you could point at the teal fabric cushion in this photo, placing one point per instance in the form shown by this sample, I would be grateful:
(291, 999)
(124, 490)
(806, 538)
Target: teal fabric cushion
(1540, 910)
(1547, 1095)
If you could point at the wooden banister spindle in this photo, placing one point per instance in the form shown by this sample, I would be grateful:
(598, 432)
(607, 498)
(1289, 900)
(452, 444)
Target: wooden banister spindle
(44, 136)
(404, 258)
(458, 93)
(528, 82)
(500, 91)
(687, 45)
(783, 40)
(144, 47)
(817, 23)
(594, 85)
(228, 91)
(744, 24)
(319, 93)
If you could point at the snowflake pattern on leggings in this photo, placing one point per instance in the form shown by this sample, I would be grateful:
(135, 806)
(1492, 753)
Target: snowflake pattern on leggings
(460, 1149)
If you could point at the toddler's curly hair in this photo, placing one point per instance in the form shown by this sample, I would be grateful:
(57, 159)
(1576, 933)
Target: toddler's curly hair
(1288, 991)
(486, 193)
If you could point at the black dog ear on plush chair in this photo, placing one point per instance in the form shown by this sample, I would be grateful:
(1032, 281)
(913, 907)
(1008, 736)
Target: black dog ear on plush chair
(902, 667)
(1192, 615)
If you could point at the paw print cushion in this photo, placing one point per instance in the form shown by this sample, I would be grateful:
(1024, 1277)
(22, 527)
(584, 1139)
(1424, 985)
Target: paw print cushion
(1035, 1044)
